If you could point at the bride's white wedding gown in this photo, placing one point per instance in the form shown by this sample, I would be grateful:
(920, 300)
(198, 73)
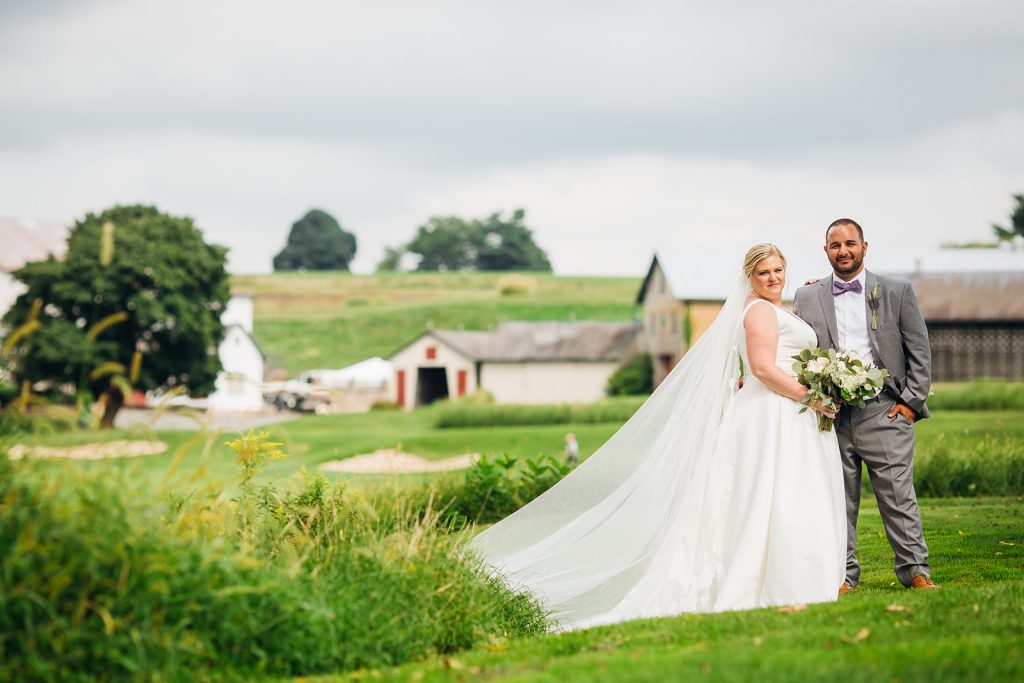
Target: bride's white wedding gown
(784, 510)
(708, 499)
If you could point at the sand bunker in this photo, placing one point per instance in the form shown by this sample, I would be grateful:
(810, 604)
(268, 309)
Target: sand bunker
(389, 461)
(91, 451)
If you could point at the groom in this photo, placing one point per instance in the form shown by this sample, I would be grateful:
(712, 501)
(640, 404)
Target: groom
(878, 318)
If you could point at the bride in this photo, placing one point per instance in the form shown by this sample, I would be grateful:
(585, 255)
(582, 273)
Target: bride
(710, 498)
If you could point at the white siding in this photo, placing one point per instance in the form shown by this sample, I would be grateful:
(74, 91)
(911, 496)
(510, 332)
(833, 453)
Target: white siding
(409, 360)
(546, 382)
(238, 384)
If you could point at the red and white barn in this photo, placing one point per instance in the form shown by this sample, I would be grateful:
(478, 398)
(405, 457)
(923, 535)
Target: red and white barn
(519, 362)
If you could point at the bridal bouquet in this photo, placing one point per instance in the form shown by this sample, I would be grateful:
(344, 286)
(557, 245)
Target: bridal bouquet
(836, 378)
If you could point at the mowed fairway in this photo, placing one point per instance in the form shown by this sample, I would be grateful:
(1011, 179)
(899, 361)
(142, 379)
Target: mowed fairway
(330, 320)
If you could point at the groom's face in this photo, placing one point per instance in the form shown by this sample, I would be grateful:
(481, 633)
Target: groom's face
(845, 249)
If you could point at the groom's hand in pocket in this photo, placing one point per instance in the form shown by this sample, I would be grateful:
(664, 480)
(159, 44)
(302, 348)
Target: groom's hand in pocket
(906, 411)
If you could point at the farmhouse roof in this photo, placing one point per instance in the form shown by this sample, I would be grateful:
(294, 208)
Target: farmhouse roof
(970, 297)
(233, 326)
(707, 274)
(511, 342)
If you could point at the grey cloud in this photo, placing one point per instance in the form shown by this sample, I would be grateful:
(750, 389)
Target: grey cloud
(475, 83)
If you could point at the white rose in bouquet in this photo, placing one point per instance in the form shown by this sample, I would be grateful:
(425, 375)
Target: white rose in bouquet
(818, 365)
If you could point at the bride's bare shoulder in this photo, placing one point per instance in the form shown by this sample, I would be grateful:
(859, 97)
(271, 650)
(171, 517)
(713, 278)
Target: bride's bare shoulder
(754, 315)
(752, 299)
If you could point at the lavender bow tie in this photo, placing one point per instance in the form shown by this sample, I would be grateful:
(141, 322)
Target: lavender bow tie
(840, 287)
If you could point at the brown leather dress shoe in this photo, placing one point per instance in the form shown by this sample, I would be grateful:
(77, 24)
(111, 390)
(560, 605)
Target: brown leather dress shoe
(844, 589)
(922, 582)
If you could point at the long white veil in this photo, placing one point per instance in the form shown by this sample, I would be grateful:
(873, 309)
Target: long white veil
(631, 532)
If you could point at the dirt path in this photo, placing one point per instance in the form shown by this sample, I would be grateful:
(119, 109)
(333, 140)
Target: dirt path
(390, 461)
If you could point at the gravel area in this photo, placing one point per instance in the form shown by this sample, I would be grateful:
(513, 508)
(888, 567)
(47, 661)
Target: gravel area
(174, 420)
(389, 461)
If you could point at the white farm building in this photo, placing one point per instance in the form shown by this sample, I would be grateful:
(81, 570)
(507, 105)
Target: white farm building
(238, 385)
(519, 362)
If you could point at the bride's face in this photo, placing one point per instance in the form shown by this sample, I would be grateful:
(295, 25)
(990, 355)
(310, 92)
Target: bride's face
(768, 278)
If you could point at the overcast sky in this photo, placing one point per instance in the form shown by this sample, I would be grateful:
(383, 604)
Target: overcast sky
(621, 127)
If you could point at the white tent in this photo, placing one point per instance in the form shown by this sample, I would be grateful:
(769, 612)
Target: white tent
(372, 373)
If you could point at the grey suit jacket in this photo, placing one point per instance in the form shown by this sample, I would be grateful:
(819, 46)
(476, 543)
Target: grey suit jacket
(900, 344)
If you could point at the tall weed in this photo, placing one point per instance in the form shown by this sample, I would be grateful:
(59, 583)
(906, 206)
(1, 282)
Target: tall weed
(98, 582)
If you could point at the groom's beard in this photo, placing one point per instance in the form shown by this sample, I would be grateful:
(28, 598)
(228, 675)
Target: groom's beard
(852, 266)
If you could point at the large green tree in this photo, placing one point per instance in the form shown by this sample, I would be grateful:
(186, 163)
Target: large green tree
(494, 243)
(508, 245)
(137, 298)
(445, 243)
(392, 260)
(1016, 228)
(317, 242)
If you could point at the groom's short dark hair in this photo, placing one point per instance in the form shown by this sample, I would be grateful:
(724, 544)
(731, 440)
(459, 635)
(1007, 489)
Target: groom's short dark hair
(845, 221)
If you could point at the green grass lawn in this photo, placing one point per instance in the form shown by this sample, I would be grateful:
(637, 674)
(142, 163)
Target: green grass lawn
(957, 429)
(317, 320)
(972, 629)
(314, 439)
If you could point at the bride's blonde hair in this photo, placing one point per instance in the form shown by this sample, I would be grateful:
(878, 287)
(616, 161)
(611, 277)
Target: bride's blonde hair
(758, 253)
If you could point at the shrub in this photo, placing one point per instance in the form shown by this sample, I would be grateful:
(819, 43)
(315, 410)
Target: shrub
(13, 422)
(98, 582)
(479, 397)
(516, 285)
(635, 377)
(385, 405)
(978, 395)
(461, 414)
(8, 392)
(993, 466)
(487, 491)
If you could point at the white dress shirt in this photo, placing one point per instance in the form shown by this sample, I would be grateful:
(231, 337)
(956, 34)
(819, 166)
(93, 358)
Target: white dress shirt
(852, 320)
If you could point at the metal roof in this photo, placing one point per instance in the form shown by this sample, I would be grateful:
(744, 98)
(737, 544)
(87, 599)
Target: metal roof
(22, 241)
(586, 341)
(708, 274)
(970, 297)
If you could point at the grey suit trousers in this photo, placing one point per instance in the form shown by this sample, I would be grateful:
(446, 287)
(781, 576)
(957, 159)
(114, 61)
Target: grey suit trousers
(886, 446)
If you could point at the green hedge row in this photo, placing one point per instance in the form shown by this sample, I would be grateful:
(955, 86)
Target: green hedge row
(466, 414)
(979, 395)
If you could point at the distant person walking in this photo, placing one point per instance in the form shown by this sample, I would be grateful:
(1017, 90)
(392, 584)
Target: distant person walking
(572, 449)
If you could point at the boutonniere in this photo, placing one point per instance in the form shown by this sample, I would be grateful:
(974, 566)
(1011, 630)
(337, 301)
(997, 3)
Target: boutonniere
(874, 301)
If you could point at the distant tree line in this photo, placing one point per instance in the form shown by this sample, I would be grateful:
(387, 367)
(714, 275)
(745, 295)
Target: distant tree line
(318, 242)
(454, 243)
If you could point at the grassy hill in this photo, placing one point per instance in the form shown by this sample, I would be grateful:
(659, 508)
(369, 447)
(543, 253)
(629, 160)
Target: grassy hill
(970, 630)
(333, 319)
